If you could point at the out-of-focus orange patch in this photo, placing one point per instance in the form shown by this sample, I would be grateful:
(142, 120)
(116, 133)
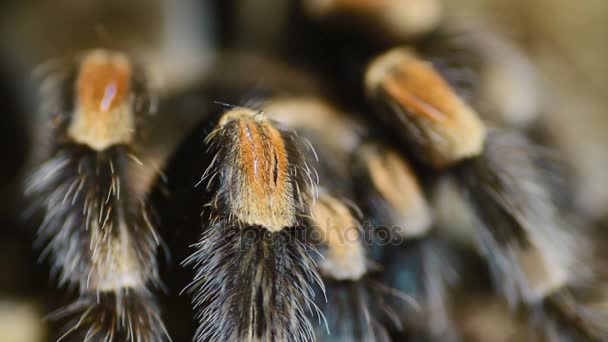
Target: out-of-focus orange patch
(103, 116)
(417, 86)
(445, 128)
(104, 82)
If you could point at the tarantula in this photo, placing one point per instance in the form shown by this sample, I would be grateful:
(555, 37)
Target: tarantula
(304, 198)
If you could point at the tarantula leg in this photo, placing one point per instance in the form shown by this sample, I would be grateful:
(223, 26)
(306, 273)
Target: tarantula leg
(254, 275)
(391, 195)
(97, 226)
(359, 307)
(441, 127)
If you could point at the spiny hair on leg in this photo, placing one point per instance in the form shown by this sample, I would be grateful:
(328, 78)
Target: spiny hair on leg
(363, 310)
(253, 285)
(100, 237)
(98, 233)
(97, 226)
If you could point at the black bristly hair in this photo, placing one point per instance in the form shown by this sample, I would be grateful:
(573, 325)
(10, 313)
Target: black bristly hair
(85, 193)
(253, 285)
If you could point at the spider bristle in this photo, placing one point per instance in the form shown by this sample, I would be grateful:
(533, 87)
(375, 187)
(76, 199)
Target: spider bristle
(254, 274)
(253, 285)
(97, 232)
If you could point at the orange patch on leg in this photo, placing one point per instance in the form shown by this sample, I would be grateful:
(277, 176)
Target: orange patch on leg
(103, 115)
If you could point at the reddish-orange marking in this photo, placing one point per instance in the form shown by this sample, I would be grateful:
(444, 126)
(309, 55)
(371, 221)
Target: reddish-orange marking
(103, 84)
(261, 147)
